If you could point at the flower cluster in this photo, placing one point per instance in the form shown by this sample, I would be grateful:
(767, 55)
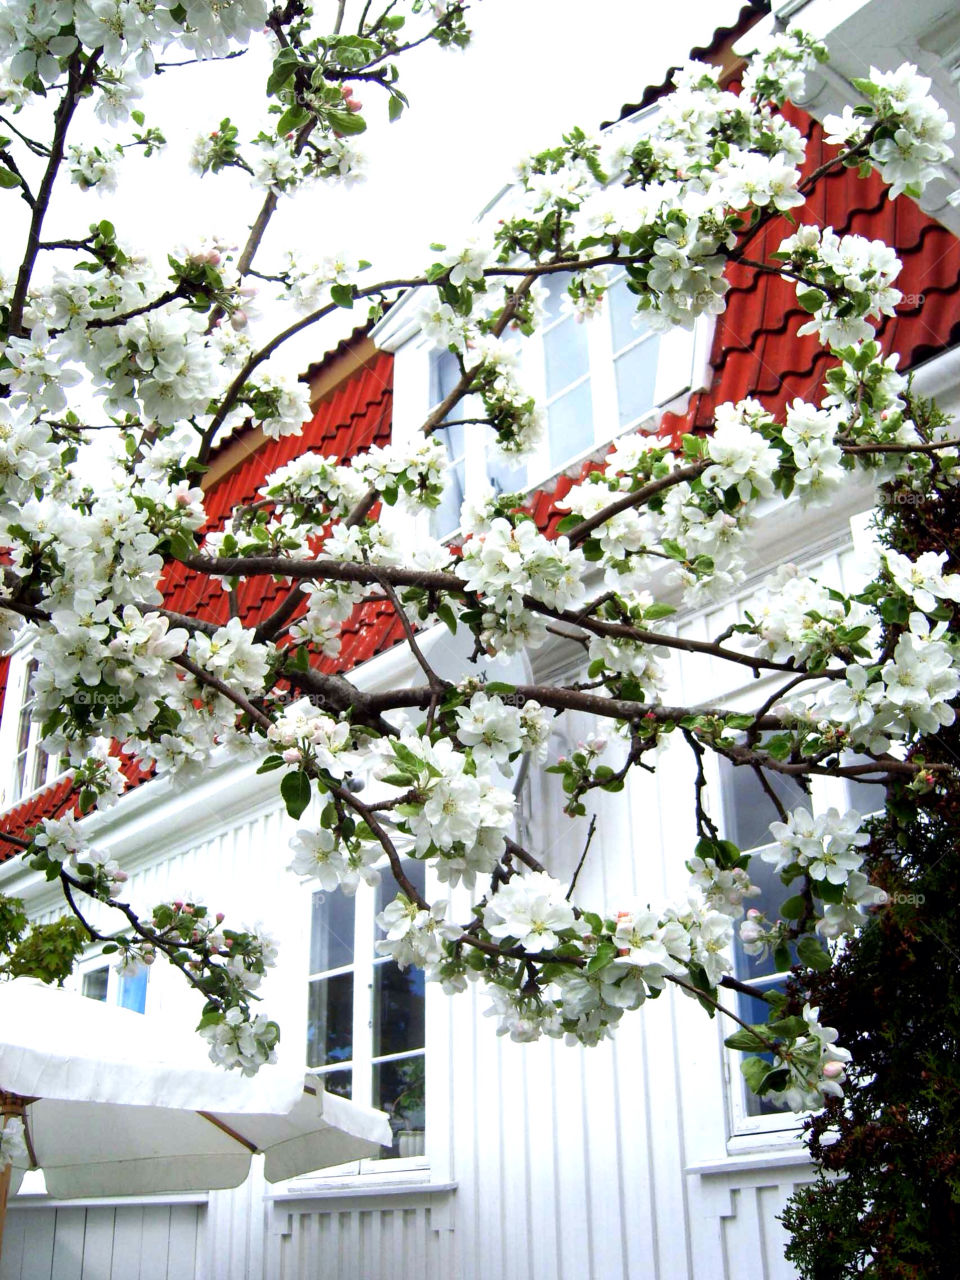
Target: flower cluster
(415, 935)
(826, 847)
(841, 281)
(909, 131)
(509, 561)
(238, 1041)
(496, 732)
(454, 813)
(58, 844)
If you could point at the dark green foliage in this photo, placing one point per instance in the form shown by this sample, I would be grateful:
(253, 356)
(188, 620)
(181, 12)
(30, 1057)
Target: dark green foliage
(44, 951)
(887, 1200)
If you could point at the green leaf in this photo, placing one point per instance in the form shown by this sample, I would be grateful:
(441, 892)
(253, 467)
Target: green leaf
(813, 955)
(138, 117)
(755, 1072)
(788, 1028)
(606, 953)
(794, 908)
(342, 295)
(395, 108)
(346, 122)
(8, 180)
(781, 958)
(292, 119)
(744, 1040)
(658, 611)
(447, 617)
(811, 299)
(295, 789)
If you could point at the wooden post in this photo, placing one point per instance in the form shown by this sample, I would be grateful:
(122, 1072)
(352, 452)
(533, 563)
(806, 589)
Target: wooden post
(5, 1175)
(10, 1105)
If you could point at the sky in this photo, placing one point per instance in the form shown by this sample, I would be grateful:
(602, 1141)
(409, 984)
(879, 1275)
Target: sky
(534, 69)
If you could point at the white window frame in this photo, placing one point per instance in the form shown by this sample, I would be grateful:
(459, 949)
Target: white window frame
(825, 792)
(363, 1059)
(13, 705)
(682, 364)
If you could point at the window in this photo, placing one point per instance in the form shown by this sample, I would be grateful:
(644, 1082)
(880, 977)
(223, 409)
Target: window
(566, 365)
(32, 767)
(472, 463)
(129, 990)
(365, 1016)
(595, 378)
(747, 814)
(636, 350)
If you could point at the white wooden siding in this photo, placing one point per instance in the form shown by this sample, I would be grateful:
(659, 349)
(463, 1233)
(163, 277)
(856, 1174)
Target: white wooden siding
(135, 1242)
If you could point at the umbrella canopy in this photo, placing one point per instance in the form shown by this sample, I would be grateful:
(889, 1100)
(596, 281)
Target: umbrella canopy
(116, 1103)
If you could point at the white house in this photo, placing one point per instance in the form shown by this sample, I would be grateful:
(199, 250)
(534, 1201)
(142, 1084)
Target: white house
(642, 1157)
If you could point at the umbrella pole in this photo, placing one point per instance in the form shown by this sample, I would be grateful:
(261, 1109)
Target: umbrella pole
(4, 1192)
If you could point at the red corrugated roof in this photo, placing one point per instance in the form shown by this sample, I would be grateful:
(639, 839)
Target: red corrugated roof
(755, 352)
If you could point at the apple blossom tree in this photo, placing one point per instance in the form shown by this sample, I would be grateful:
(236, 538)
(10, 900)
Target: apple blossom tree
(172, 353)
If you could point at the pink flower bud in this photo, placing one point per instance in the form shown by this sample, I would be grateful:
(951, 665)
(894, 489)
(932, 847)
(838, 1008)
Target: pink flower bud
(754, 914)
(120, 877)
(213, 257)
(354, 105)
(178, 905)
(219, 917)
(833, 1070)
(238, 320)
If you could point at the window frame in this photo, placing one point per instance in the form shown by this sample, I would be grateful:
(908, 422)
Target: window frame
(681, 358)
(90, 964)
(363, 1060)
(16, 702)
(826, 792)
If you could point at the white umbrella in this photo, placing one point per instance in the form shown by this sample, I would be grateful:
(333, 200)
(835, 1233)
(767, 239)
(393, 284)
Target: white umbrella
(117, 1103)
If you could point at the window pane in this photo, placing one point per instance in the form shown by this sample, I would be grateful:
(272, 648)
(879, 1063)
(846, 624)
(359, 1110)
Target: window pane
(446, 517)
(133, 990)
(398, 1019)
(331, 931)
(773, 893)
(753, 1011)
(330, 1020)
(444, 375)
(19, 772)
(505, 474)
(398, 1089)
(570, 424)
(339, 1082)
(623, 312)
(95, 983)
(39, 772)
(865, 797)
(556, 285)
(748, 810)
(636, 373)
(565, 352)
